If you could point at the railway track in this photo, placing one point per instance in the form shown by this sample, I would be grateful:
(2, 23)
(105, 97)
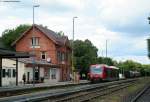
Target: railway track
(143, 95)
(92, 94)
(71, 94)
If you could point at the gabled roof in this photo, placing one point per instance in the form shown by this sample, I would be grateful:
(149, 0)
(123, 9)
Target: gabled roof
(57, 39)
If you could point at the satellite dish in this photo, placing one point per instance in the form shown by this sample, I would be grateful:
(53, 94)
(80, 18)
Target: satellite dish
(48, 59)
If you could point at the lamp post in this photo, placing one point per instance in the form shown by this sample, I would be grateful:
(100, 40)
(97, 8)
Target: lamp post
(8, 1)
(106, 48)
(33, 45)
(72, 49)
(148, 41)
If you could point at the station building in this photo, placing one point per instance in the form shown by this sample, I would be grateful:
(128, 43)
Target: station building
(52, 60)
(25, 66)
(9, 72)
(11, 69)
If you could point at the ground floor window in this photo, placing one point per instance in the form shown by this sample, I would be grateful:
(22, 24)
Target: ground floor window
(4, 73)
(46, 73)
(14, 73)
(53, 73)
(9, 72)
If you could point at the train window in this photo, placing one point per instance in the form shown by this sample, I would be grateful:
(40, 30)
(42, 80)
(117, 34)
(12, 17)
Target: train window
(96, 70)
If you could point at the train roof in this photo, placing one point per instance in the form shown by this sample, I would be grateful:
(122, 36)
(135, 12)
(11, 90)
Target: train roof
(113, 67)
(100, 65)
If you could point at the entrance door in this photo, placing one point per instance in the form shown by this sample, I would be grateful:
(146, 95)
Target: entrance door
(37, 74)
(53, 73)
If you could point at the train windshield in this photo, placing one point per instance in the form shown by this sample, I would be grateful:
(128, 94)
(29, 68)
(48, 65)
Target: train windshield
(96, 70)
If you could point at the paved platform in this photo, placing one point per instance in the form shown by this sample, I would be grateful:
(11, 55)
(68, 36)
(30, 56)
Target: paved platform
(40, 85)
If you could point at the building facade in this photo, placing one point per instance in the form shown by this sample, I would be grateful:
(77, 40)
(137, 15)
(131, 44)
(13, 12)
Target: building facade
(48, 47)
(9, 72)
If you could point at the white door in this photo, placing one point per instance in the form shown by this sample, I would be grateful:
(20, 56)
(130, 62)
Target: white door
(54, 74)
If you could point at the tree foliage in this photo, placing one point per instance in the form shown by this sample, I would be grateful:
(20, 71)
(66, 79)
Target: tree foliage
(129, 65)
(106, 60)
(85, 54)
(60, 33)
(10, 35)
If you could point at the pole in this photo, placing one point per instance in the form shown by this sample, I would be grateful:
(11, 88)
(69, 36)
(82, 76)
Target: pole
(33, 38)
(16, 71)
(33, 51)
(0, 72)
(102, 53)
(73, 50)
(106, 48)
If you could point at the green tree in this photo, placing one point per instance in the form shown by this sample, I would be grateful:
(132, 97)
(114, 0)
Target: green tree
(60, 33)
(106, 60)
(85, 54)
(129, 65)
(10, 35)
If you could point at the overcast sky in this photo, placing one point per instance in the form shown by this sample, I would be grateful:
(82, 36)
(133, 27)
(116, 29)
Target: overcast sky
(122, 22)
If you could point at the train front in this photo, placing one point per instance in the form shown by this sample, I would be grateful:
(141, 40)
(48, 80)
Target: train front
(95, 73)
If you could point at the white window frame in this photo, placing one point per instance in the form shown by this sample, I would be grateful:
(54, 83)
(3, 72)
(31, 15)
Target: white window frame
(35, 41)
(43, 54)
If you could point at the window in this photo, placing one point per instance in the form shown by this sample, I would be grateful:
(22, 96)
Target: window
(43, 55)
(59, 56)
(4, 72)
(53, 73)
(96, 70)
(35, 41)
(63, 56)
(9, 73)
(14, 73)
(46, 73)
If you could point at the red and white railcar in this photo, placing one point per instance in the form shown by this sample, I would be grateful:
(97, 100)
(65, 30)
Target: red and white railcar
(99, 72)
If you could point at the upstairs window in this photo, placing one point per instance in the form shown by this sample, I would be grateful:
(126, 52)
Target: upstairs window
(59, 56)
(43, 55)
(63, 57)
(35, 41)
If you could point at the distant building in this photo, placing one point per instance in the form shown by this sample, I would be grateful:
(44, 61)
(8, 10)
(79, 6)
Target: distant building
(11, 69)
(9, 72)
(52, 53)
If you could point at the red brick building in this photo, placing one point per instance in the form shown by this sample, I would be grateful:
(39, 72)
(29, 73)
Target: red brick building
(48, 47)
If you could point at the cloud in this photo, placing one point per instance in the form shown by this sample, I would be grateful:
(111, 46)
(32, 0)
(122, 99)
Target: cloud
(122, 22)
(62, 5)
(125, 15)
